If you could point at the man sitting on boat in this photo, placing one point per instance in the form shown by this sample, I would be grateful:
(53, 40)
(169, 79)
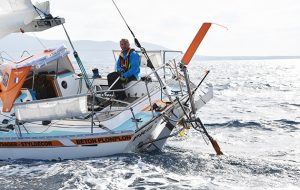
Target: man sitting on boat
(127, 69)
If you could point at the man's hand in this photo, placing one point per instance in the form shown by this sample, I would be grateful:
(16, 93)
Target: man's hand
(120, 73)
(124, 80)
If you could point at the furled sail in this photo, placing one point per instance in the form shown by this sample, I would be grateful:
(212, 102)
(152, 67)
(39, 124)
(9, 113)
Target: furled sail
(23, 16)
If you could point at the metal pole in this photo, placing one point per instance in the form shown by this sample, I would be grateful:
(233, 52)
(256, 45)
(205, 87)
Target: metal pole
(212, 141)
(136, 122)
(194, 91)
(189, 89)
(180, 86)
(33, 74)
(164, 60)
(113, 84)
(149, 64)
(149, 97)
(78, 60)
(93, 102)
(56, 73)
(18, 129)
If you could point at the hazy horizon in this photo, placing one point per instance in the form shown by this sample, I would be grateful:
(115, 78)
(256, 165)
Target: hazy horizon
(33, 45)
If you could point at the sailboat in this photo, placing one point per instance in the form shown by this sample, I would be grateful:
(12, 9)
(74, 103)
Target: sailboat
(50, 112)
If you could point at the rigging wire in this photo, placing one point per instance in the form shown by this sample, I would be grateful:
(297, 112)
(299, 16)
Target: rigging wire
(46, 15)
(10, 58)
(38, 39)
(3, 58)
(124, 19)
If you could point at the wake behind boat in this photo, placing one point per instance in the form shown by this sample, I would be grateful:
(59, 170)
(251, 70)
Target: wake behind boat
(49, 112)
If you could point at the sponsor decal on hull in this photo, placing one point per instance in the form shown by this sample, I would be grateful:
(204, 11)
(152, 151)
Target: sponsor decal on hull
(57, 143)
(102, 140)
(31, 144)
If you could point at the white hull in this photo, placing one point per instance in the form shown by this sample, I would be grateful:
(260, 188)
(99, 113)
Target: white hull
(61, 148)
(62, 153)
(97, 145)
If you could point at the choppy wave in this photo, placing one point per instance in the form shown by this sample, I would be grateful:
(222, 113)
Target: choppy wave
(297, 105)
(236, 123)
(171, 169)
(288, 122)
(291, 125)
(264, 125)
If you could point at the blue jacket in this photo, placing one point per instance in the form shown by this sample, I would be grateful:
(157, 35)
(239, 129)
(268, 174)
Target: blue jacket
(134, 61)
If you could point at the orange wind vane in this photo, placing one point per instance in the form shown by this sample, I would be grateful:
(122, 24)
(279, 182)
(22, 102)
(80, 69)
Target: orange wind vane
(197, 41)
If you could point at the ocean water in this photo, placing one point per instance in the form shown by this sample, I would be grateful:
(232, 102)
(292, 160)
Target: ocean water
(254, 116)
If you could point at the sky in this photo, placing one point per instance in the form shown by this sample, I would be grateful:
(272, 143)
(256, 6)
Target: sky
(255, 27)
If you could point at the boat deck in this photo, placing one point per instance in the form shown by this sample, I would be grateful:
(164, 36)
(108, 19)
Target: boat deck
(129, 125)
